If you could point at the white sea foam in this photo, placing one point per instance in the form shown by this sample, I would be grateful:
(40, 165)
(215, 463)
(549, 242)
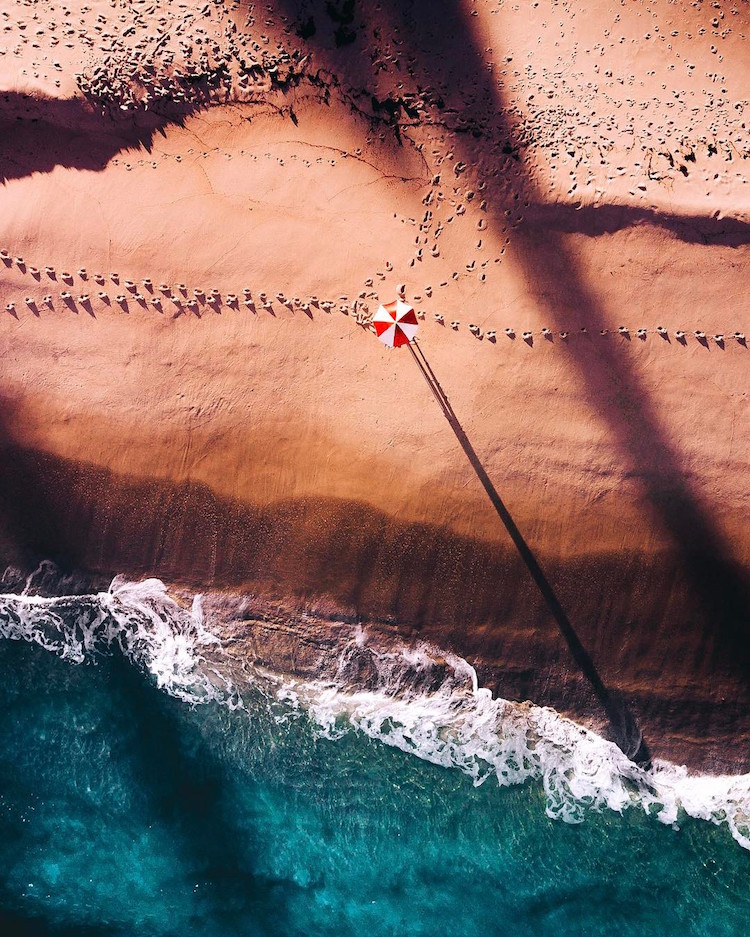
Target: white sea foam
(415, 697)
(148, 626)
(428, 703)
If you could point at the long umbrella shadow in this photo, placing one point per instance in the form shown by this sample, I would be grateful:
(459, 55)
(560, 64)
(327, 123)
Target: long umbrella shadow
(446, 59)
(613, 388)
(623, 724)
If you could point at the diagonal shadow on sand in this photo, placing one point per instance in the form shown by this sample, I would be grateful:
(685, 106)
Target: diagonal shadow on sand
(38, 134)
(446, 57)
(623, 725)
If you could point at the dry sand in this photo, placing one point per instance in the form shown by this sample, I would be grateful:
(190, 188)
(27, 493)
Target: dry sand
(562, 187)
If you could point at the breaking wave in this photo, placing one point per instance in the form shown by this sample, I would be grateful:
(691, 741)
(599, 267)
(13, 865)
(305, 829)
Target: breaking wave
(153, 630)
(419, 699)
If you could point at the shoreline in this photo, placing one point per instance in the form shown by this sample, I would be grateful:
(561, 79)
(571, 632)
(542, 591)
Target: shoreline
(635, 612)
(189, 388)
(308, 653)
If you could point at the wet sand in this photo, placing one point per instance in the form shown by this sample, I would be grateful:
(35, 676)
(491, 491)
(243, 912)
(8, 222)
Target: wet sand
(194, 236)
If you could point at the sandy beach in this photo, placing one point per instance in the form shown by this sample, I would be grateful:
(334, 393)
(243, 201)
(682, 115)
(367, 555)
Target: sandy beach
(203, 205)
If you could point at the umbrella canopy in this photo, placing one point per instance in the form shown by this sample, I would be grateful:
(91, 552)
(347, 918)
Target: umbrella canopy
(395, 323)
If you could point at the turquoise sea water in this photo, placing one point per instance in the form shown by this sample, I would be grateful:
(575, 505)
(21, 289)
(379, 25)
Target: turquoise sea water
(126, 809)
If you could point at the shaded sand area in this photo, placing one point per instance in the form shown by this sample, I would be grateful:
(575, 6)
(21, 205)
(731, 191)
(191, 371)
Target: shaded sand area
(203, 205)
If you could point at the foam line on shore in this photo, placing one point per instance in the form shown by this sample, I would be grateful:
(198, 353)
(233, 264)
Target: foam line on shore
(454, 722)
(140, 619)
(414, 697)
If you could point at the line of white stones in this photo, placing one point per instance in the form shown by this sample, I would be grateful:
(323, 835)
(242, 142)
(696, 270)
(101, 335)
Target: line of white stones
(358, 309)
(180, 295)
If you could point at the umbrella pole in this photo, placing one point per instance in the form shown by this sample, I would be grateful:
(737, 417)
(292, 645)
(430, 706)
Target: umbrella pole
(627, 734)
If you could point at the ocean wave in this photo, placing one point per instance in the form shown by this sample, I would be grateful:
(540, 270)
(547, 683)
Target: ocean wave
(428, 703)
(417, 698)
(141, 619)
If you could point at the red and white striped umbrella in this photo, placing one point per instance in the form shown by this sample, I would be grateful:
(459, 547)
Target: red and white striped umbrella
(395, 323)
